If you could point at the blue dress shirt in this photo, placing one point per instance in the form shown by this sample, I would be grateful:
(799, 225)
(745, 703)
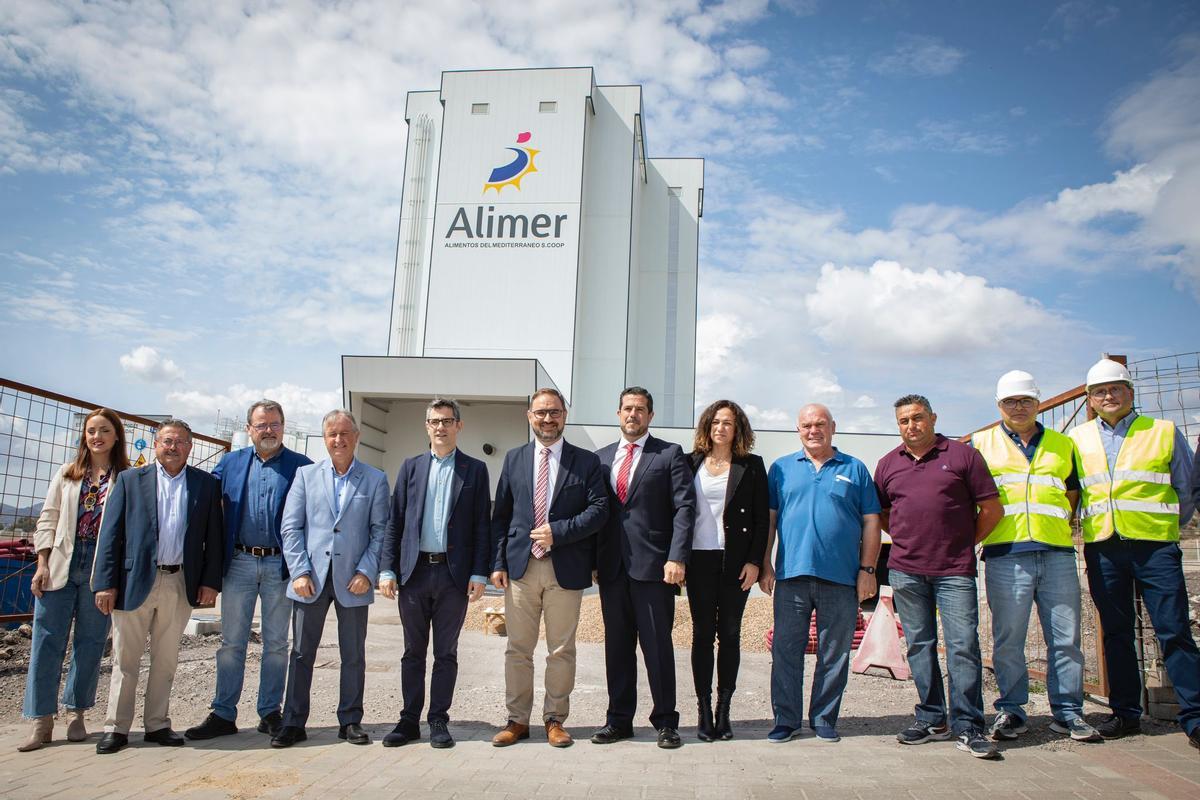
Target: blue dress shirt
(437, 502)
(266, 490)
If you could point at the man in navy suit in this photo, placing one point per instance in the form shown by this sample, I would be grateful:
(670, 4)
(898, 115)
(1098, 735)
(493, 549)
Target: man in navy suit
(159, 553)
(437, 549)
(550, 503)
(254, 484)
(333, 524)
(641, 559)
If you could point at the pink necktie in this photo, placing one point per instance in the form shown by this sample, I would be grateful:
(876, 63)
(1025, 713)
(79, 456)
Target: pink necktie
(623, 473)
(539, 499)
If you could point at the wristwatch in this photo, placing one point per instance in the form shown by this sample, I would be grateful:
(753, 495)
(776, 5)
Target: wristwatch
(868, 570)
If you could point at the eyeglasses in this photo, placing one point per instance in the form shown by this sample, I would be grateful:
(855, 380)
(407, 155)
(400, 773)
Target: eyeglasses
(1111, 391)
(1009, 403)
(543, 413)
(441, 422)
(263, 427)
(173, 443)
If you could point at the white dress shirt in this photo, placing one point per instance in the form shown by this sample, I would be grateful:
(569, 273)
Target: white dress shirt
(172, 515)
(710, 513)
(619, 459)
(555, 460)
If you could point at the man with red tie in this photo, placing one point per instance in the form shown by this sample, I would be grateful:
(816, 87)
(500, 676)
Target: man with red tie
(550, 503)
(641, 559)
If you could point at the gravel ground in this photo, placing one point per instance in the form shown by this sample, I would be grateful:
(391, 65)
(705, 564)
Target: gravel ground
(873, 703)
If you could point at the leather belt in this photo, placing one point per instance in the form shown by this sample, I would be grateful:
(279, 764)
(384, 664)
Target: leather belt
(433, 558)
(258, 552)
(170, 567)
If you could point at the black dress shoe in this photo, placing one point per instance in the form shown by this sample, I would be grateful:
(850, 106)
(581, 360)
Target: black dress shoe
(402, 734)
(165, 737)
(668, 738)
(611, 733)
(439, 735)
(111, 743)
(288, 736)
(272, 723)
(354, 734)
(211, 728)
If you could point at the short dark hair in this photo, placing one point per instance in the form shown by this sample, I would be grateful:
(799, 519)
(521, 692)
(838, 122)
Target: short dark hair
(172, 422)
(444, 402)
(550, 390)
(913, 400)
(640, 392)
(743, 434)
(267, 406)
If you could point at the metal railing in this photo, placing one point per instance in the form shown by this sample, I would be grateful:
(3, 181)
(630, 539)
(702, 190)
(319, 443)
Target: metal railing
(39, 432)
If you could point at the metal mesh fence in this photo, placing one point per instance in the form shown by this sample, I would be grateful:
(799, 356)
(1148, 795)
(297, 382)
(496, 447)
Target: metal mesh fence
(39, 432)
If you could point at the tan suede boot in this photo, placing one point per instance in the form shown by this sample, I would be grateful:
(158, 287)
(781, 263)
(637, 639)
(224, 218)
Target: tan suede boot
(39, 734)
(76, 730)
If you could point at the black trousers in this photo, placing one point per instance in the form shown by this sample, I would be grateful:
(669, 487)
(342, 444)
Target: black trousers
(639, 611)
(308, 622)
(430, 599)
(717, 604)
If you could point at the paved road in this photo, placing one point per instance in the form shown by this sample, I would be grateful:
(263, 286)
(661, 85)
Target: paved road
(868, 763)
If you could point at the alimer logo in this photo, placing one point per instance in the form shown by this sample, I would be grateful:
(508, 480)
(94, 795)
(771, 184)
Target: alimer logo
(511, 173)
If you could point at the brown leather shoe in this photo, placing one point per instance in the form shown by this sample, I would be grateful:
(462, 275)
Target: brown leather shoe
(557, 735)
(512, 733)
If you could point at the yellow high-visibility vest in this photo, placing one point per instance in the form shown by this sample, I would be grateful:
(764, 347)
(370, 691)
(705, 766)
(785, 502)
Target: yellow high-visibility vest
(1136, 498)
(1033, 493)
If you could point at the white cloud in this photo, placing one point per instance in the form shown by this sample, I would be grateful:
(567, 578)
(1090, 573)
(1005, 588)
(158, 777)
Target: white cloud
(873, 311)
(1132, 192)
(149, 365)
(302, 406)
(922, 56)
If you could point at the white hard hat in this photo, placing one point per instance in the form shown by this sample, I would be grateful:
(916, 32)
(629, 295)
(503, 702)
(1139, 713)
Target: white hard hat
(1108, 371)
(1017, 383)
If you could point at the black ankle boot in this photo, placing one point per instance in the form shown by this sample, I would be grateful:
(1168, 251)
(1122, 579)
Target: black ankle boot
(722, 729)
(705, 730)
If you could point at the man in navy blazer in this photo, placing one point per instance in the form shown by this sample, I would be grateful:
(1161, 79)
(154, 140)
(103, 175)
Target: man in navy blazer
(333, 524)
(437, 549)
(550, 503)
(159, 554)
(641, 559)
(254, 485)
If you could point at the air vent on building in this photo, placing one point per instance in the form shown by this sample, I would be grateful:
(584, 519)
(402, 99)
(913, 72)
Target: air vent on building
(548, 107)
(479, 108)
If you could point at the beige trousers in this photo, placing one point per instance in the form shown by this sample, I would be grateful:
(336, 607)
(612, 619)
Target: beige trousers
(162, 617)
(526, 602)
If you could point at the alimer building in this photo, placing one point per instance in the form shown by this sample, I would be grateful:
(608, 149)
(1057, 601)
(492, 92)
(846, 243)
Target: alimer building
(538, 245)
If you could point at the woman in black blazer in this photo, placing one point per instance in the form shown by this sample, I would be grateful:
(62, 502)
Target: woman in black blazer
(728, 547)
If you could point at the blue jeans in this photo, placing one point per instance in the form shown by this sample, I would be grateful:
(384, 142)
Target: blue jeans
(248, 579)
(920, 600)
(52, 616)
(836, 606)
(1014, 583)
(1115, 566)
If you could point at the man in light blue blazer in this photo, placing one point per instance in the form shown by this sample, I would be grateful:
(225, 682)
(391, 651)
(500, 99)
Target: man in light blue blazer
(333, 525)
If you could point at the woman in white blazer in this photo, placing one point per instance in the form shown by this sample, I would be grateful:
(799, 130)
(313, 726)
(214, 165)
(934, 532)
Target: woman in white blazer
(66, 546)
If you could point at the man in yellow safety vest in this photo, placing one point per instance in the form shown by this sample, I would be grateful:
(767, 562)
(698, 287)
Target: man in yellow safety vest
(1135, 476)
(1030, 558)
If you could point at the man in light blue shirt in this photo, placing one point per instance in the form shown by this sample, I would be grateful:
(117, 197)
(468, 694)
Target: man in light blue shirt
(436, 552)
(825, 513)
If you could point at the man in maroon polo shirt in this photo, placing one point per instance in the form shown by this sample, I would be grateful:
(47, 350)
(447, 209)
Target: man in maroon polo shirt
(939, 501)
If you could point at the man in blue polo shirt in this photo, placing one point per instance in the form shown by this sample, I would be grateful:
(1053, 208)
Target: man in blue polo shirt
(825, 512)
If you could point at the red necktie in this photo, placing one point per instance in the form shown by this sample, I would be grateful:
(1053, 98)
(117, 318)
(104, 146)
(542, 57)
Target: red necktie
(540, 495)
(623, 473)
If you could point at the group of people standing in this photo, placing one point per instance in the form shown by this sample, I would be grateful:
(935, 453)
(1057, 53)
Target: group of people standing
(142, 546)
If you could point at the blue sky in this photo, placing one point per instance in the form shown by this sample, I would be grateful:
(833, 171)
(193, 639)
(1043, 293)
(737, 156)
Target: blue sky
(198, 202)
